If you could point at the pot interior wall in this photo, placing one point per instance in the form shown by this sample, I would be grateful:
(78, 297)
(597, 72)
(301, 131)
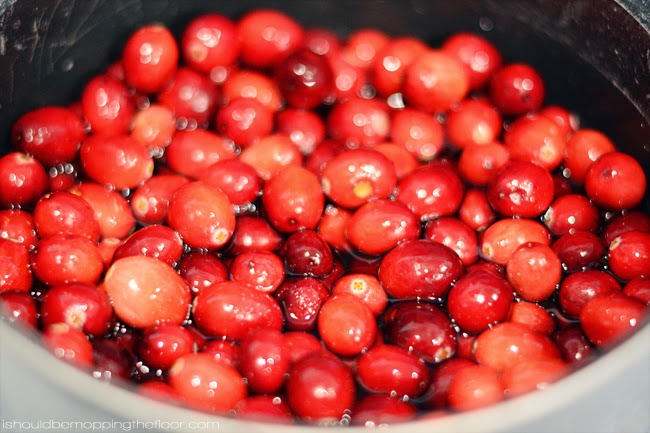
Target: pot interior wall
(592, 53)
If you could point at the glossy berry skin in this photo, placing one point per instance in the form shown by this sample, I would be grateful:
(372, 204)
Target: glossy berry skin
(363, 45)
(146, 291)
(304, 127)
(65, 213)
(305, 252)
(435, 81)
(23, 180)
(391, 62)
(480, 57)
(573, 344)
(69, 344)
(202, 215)
(380, 409)
(112, 361)
(150, 202)
(378, 226)
(638, 288)
(475, 210)
(607, 318)
(578, 250)
(473, 122)
(478, 164)
(365, 287)
(271, 154)
(293, 200)
(233, 310)
(81, 306)
(320, 388)
(223, 351)
(262, 270)
(431, 191)
(532, 315)
(191, 153)
(18, 226)
(192, 97)
(157, 241)
(118, 161)
(355, 177)
(210, 41)
(304, 78)
(583, 147)
(562, 117)
(517, 89)
(521, 189)
(346, 325)
(150, 58)
(244, 121)
(200, 270)
(51, 134)
(264, 361)
(203, 383)
(332, 227)
(629, 255)
(359, 123)
(535, 375)
(580, 287)
(301, 300)
(235, 178)
(534, 270)
(536, 139)
(249, 83)
(630, 221)
(111, 209)
(418, 132)
(107, 106)
(161, 345)
(154, 126)
(421, 328)
(264, 408)
(456, 235)
(479, 300)
(571, 212)
(503, 237)
(403, 160)
(62, 259)
(474, 387)
(253, 233)
(19, 307)
(615, 181)
(392, 370)
(441, 377)
(419, 269)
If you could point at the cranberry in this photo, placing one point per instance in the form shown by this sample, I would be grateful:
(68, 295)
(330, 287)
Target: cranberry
(532, 315)
(150, 202)
(192, 96)
(615, 181)
(154, 127)
(233, 310)
(365, 287)
(201, 270)
(262, 270)
(146, 291)
(479, 300)
(583, 147)
(346, 324)
(246, 83)
(107, 106)
(391, 62)
(419, 269)
(638, 288)
(378, 226)
(267, 36)
(244, 121)
(202, 215)
(301, 300)
(65, 213)
(293, 200)
(191, 153)
(363, 45)
(150, 58)
(456, 235)
(18, 226)
(157, 241)
(51, 134)
(118, 161)
(421, 328)
(580, 287)
(82, 306)
(392, 370)
(359, 122)
(404, 161)
(630, 221)
(381, 410)
(571, 212)
(629, 255)
(531, 375)
(268, 408)
(508, 344)
(503, 237)
(320, 388)
(534, 270)
(435, 81)
(350, 81)
(473, 387)
(322, 41)
(536, 139)
(521, 189)
(479, 164)
(322, 154)
(264, 361)
(475, 210)
(563, 118)
(562, 186)
(480, 57)
(227, 352)
(156, 390)
(437, 395)
(473, 122)
(111, 209)
(578, 250)
(517, 89)
(210, 41)
(69, 344)
(305, 252)
(23, 180)
(270, 155)
(18, 307)
(161, 345)
(431, 191)
(418, 132)
(607, 318)
(333, 227)
(573, 344)
(304, 78)
(305, 128)
(203, 383)
(253, 234)
(111, 360)
(62, 259)
(107, 248)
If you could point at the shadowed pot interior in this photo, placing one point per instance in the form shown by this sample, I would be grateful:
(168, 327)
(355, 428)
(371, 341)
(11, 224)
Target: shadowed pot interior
(593, 54)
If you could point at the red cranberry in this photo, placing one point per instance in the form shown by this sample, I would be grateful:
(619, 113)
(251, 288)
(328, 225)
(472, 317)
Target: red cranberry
(517, 89)
(146, 291)
(157, 241)
(521, 189)
(583, 147)
(107, 106)
(365, 287)
(480, 57)
(224, 351)
(346, 325)
(65, 213)
(271, 154)
(435, 81)
(359, 122)
(532, 375)
(305, 128)
(23, 180)
(437, 395)
(419, 269)
(156, 390)
(363, 45)
(69, 344)
(479, 300)
(111, 209)
(333, 227)
(456, 235)
(244, 121)
(304, 78)
(210, 41)
(233, 310)
(150, 202)
(154, 127)
(202, 215)
(421, 328)
(638, 288)
(150, 58)
(380, 410)
(391, 62)
(322, 154)
(192, 96)
(51, 134)
(607, 318)
(571, 212)
(631, 221)
(563, 118)
(573, 344)
(404, 161)
(578, 250)
(350, 81)
(534, 270)
(111, 360)
(18, 307)
(532, 315)
(580, 287)
(562, 186)
(161, 345)
(305, 252)
(293, 200)
(203, 383)
(267, 36)
(262, 270)
(474, 387)
(479, 164)
(62, 259)
(322, 41)
(418, 132)
(191, 152)
(615, 181)
(264, 361)
(246, 83)
(82, 306)
(300, 344)
(18, 226)
(503, 237)
(475, 210)
(301, 300)
(267, 408)
(320, 388)
(536, 139)
(253, 234)
(629, 255)
(473, 122)
(201, 270)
